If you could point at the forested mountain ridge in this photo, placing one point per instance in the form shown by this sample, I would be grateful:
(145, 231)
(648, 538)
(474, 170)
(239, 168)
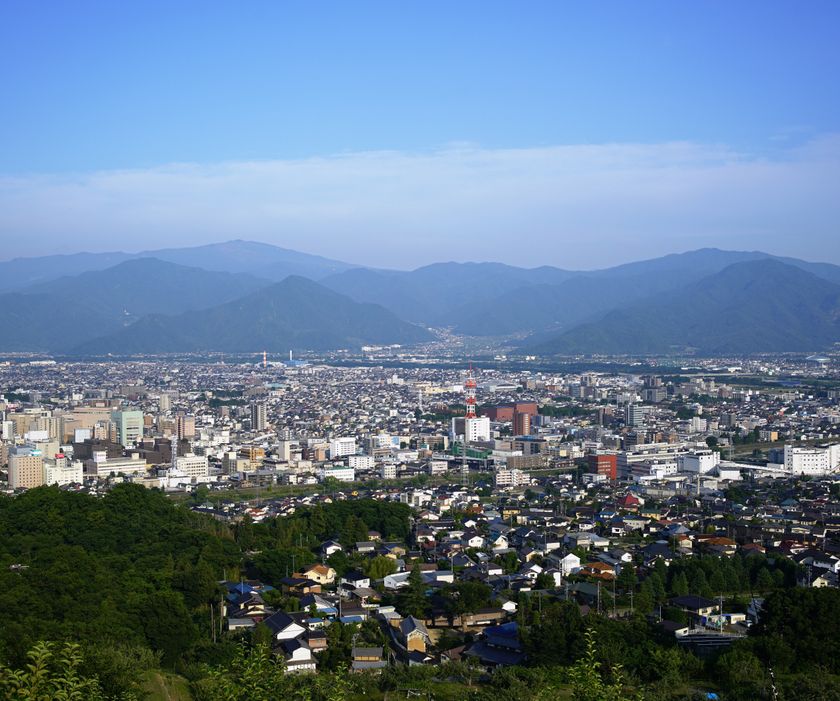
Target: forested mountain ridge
(751, 307)
(293, 314)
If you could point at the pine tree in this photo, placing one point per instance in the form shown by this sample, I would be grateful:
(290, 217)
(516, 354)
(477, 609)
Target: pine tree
(680, 584)
(414, 600)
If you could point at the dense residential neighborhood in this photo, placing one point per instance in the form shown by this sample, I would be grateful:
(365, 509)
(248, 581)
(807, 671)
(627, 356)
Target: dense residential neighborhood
(477, 519)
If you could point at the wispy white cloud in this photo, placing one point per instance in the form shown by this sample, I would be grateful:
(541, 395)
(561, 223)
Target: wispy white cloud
(574, 205)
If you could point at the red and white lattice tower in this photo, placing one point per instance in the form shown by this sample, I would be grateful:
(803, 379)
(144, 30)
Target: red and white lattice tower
(469, 395)
(469, 399)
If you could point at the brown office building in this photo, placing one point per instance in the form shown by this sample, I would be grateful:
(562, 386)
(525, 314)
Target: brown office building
(521, 424)
(185, 427)
(603, 464)
(506, 412)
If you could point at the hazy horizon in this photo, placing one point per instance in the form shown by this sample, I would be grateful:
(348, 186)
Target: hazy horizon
(397, 268)
(576, 136)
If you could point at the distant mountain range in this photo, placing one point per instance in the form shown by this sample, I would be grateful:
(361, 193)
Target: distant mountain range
(226, 297)
(441, 294)
(258, 259)
(756, 306)
(61, 313)
(293, 314)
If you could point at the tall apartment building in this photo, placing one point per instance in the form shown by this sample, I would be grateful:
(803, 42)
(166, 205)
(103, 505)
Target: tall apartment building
(26, 468)
(477, 429)
(258, 420)
(361, 462)
(284, 450)
(635, 415)
(341, 447)
(128, 426)
(521, 424)
(185, 427)
(53, 425)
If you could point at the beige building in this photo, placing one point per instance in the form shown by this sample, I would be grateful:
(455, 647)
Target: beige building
(52, 425)
(194, 466)
(85, 417)
(26, 471)
(185, 426)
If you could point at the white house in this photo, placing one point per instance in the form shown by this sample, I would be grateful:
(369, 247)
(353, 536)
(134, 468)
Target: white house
(283, 626)
(298, 657)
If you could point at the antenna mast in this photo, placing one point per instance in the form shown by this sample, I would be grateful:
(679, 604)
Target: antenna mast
(469, 414)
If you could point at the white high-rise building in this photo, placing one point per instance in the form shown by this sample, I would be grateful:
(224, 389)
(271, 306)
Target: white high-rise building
(698, 424)
(511, 478)
(475, 429)
(129, 426)
(63, 471)
(635, 415)
(812, 461)
(361, 462)
(700, 462)
(194, 466)
(341, 447)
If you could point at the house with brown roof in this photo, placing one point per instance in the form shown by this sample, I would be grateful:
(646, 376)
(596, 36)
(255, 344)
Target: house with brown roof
(322, 574)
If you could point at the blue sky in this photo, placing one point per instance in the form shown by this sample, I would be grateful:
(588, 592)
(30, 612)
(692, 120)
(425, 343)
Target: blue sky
(398, 134)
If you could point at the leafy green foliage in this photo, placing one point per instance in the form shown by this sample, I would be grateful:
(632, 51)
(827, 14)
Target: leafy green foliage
(793, 627)
(466, 597)
(50, 675)
(588, 682)
(254, 674)
(380, 566)
(129, 568)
